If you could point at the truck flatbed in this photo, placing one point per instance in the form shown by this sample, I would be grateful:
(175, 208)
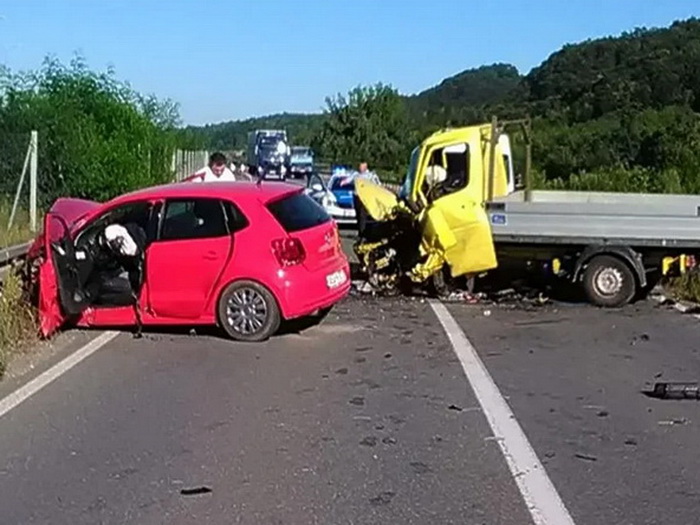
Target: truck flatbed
(585, 218)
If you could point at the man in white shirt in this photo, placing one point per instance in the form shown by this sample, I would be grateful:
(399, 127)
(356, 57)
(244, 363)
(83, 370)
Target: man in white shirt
(366, 173)
(215, 171)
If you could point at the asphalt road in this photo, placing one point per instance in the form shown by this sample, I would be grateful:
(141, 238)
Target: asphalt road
(347, 422)
(367, 418)
(574, 377)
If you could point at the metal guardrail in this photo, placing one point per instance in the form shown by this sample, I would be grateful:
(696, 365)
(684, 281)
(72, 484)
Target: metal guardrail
(11, 254)
(7, 255)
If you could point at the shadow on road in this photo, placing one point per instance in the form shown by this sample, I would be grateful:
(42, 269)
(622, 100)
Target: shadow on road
(294, 326)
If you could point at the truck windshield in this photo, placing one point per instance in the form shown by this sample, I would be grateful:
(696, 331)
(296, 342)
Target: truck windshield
(410, 178)
(301, 158)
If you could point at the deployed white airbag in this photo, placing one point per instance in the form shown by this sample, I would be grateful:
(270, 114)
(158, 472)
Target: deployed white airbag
(120, 241)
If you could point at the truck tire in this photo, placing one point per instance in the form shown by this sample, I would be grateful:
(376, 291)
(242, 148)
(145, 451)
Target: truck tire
(441, 284)
(609, 282)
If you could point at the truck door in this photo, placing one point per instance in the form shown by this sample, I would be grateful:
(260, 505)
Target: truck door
(455, 220)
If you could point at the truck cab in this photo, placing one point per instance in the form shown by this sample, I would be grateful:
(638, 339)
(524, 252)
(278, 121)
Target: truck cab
(301, 162)
(273, 157)
(268, 153)
(451, 175)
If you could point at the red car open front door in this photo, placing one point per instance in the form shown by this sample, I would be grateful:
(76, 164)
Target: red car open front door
(57, 247)
(50, 315)
(60, 294)
(185, 263)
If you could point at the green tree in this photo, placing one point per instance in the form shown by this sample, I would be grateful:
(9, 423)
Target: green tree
(369, 124)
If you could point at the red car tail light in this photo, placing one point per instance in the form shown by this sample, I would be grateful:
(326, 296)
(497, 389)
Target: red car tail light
(289, 251)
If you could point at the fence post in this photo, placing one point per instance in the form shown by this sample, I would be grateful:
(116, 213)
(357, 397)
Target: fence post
(33, 165)
(19, 186)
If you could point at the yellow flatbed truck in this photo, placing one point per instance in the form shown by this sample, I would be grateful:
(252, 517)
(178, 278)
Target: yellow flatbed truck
(458, 214)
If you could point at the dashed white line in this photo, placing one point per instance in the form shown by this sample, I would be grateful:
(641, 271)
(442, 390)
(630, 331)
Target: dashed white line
(21, 394)
(541, 497)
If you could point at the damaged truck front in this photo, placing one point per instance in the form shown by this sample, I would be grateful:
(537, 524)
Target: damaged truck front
(437, 228)
(458, 213)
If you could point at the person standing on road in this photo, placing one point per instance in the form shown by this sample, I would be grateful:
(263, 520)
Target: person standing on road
(363, 171)
(216, 170)
(360, 210)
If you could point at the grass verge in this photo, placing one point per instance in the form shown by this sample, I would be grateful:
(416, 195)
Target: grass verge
(685, 287)
(19, 232)
(18, 326)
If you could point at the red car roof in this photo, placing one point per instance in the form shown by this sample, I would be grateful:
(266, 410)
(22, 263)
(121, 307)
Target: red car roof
(264, 192)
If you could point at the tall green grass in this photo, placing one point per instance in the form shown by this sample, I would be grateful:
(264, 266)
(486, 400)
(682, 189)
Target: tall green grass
(685, 287)
(18, 326)
(19, 232)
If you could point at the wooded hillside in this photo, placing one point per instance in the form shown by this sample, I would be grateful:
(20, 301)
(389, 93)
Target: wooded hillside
(613, 113)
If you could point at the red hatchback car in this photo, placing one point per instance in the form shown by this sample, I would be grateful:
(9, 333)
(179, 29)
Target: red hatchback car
(237, 254)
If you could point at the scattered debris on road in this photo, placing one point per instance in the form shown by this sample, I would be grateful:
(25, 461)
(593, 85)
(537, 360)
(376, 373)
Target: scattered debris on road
(641, 338)
(420, 468)
(383, 498)
(197, 491)
(465, 297)
(673, 422)
(523, 296)
(369, 441)
(668, 390)
(357, 401)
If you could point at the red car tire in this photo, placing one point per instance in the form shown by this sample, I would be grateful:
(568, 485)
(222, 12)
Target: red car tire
(248, 311)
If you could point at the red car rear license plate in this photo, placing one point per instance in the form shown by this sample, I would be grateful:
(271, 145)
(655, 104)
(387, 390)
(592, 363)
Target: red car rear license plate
(336, 279)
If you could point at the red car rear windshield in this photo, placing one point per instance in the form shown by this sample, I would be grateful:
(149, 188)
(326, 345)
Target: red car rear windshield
(298, 212)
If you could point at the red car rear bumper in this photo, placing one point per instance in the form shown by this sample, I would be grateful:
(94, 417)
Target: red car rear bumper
(303, 292)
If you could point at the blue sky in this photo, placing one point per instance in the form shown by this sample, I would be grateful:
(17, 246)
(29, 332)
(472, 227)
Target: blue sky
(223, 60)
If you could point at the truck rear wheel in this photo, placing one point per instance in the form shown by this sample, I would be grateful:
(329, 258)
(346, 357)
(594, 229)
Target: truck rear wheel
(609, 282)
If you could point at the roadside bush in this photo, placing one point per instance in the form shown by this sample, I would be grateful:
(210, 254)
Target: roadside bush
(18, 325)
(685, 287)
(633, 180)
(97, 137)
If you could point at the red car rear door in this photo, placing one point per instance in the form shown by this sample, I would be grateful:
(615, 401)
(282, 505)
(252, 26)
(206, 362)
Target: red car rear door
(186, 261)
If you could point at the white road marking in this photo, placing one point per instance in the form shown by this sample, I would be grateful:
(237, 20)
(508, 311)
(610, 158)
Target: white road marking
(21, 394)
(538, 491)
